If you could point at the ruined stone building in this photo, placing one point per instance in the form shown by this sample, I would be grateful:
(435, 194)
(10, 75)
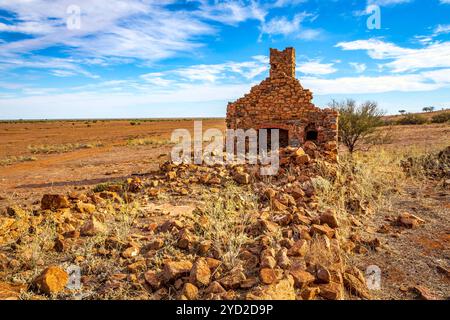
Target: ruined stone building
(280, 102)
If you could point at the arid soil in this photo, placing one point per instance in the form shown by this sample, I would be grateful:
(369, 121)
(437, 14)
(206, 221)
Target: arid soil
(159, 245)
(60, 172)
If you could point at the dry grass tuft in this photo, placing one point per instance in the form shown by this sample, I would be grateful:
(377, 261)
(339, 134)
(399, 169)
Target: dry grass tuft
(11, 160)
(62, 148)
(148, 141)
(229, 215)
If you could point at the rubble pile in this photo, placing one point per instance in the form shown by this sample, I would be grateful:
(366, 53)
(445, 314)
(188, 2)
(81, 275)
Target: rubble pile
(240, 235)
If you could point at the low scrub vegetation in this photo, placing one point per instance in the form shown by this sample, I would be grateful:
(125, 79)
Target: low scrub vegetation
(61, 148)
(412, 119)
(441, 118)
(149, 141)
(11, 160)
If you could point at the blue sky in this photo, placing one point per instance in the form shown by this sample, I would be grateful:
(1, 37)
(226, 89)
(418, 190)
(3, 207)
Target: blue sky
(145, 58)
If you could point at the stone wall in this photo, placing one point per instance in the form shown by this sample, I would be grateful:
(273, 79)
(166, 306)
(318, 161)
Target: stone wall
(281, 102)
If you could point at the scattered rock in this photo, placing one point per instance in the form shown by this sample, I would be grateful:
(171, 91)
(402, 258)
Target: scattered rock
(52, 280)
(268, 261)
(155, 244)
(298, 249)
(282, 259)
(130, 252)
(310, 293)
(268, 276)
(215, 287)
(175, 269)
(409, 220)
(323, 275)
(54, 202)
(424, 293)
(152, 278)
(200, 273)
(93, 227)
(331, 291)
(190, 291)
(301, 277)
(241, 178)
(356, 286)
(281, 290)
(11, 291)
(322, 229)
(233, 280)
(329, 218)
(85, 207)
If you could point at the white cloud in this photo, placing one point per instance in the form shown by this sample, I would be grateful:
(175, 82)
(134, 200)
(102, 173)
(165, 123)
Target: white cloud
(387, 2)
(359, 67)
(231, 12)
(445, 1)
(433, 55)
(442, 28)
(316, 68)
(440, 76)
(363, 84)
(211, 72)
(63, 65)
(138, 29)
(284, 26)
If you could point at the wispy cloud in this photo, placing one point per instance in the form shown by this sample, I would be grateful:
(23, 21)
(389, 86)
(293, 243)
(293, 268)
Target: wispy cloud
(442, 28)
(315, 67)
(389, 2)
(404, 59)
(359, 67)
(288, 27)
(139, 29)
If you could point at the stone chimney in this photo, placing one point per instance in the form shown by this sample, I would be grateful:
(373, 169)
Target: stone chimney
(282, 63)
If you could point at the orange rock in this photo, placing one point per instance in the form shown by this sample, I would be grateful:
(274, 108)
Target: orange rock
(322, 229)
(409, 220)
(299, 248)
(190, 291)
(268, 276)
(200, 273)
(331, 291)
(281, 290)
(356, 286)
(92, 227)
(310, 293)
(54, 202)
(329, 218)
(175, 269)
(152, 278)
(10, 291)
(52, 280)
(301, 277)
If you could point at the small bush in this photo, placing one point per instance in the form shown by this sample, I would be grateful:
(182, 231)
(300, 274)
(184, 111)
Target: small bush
(10, 160)
(61, 148)
(412, 119)
(441, 118)
(148, 141)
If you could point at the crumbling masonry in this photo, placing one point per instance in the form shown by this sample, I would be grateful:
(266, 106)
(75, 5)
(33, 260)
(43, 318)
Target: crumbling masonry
(280, 102)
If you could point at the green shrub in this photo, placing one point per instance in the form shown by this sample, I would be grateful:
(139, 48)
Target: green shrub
(412, 119)
(441, 118)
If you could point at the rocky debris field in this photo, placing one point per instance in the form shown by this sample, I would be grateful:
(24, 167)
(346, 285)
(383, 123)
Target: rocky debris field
(191, 232)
